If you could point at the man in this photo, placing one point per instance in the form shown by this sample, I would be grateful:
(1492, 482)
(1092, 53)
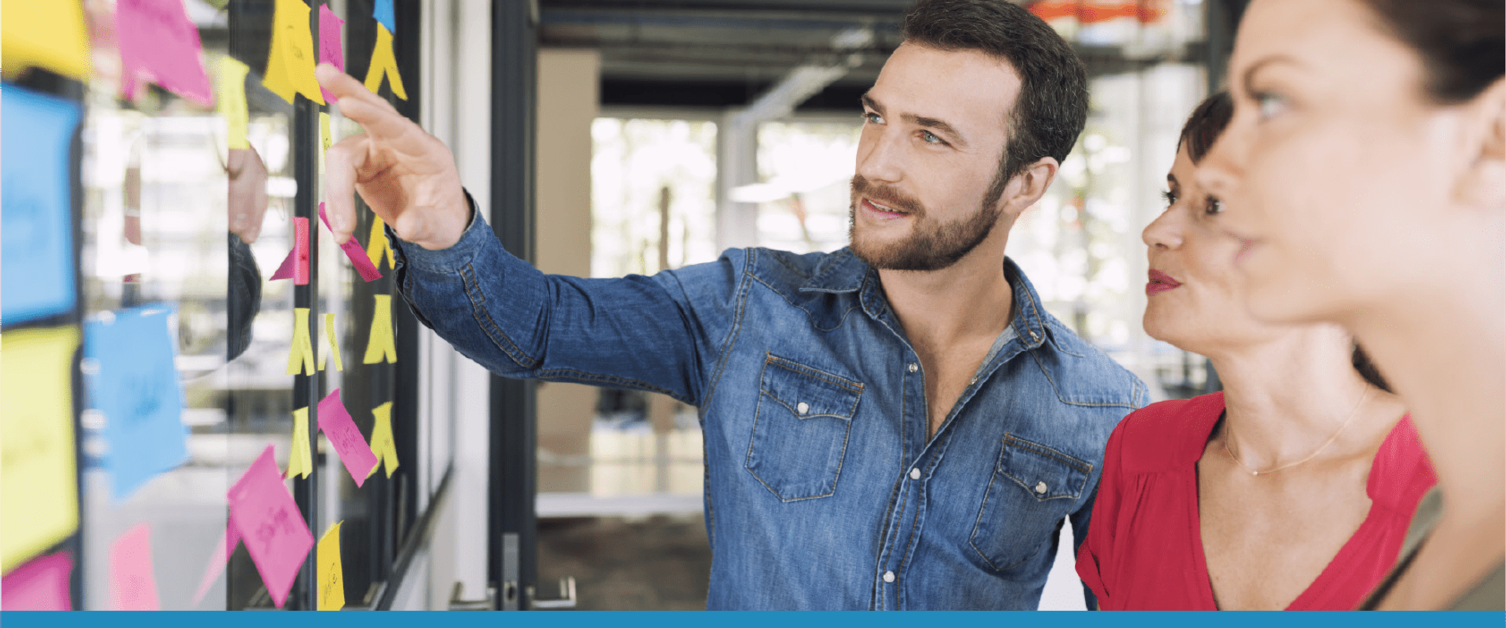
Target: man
(897, 425)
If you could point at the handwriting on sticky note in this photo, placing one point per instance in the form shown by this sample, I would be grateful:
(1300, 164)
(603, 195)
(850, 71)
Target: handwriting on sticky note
(384, 64)
(158, 43)
(333, 340)
(345, 437)
(232, 101)
(377, 246)
(382, 443)
(40, 585)
(135, 384)
(44, 34)
(301, 458)
(271, 525)
(133, 585)
(301, 353)
(290, 65)
(329, 43)
(331, 581)
(380, 347)
(36, 441)
(36, 241)
(352, 248)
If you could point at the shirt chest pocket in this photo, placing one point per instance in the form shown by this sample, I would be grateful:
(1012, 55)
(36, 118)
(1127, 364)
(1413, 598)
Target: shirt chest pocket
(800, 430)
(1032, 488)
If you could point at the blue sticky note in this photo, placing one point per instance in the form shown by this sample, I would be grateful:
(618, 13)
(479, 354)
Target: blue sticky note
(383, 13)
(132, 381)
(36, 205)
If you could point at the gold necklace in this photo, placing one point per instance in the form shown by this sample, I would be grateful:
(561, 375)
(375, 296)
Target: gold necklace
(1352, 413)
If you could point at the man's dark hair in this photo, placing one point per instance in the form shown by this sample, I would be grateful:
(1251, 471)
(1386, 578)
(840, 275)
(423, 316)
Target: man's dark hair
(1052, 106)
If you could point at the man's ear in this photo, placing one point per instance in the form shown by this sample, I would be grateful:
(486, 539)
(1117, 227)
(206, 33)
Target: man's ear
(1027, 187)
(1483, 183)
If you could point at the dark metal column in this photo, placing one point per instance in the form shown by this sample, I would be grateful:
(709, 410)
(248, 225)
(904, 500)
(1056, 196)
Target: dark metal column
(512, 469)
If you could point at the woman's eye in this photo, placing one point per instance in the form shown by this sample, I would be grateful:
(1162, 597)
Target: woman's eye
(1170, 197)
(1213, 207)
(1269, 105)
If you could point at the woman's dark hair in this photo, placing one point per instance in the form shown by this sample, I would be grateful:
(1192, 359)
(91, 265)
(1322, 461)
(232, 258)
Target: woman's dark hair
(1052, 107)
(1460, 42)
(1202, 129)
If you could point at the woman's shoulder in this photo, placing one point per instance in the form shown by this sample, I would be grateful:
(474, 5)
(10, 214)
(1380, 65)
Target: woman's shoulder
(1401, 472)
(1167, 435)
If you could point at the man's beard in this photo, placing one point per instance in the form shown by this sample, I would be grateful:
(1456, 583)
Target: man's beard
(932, 245)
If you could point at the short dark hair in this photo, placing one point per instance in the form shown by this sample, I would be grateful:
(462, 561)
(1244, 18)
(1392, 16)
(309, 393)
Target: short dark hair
(1461, 42)
(1052, 106)
(1202, 129)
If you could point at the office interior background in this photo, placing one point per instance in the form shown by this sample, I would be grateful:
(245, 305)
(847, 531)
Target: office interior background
(601, 138)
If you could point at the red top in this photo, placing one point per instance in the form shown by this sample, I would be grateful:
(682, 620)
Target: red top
(1144, 550)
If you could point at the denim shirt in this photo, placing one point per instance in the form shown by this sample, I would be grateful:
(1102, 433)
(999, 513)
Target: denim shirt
(823, 489)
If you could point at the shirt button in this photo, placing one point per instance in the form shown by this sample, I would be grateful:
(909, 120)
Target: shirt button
(802, 407)
(915, 473)
(888, 576)
(913, 367)
(1040, 488)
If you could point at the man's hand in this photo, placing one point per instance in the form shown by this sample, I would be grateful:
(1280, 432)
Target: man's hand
(407, 176)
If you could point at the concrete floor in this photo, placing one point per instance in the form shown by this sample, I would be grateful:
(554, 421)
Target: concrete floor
(645, 563)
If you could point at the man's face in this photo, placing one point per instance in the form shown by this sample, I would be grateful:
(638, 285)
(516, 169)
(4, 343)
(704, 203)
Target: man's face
(933, 135)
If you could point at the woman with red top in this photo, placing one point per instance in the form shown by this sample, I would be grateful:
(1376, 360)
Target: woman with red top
(1291, 489)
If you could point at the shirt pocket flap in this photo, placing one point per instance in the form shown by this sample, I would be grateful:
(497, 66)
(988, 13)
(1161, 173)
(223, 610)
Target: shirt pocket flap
(1042, 471)
(808, 392)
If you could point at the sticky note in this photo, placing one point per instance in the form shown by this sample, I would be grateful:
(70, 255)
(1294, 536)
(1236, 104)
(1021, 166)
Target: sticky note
(345, 437)
(296, 264)
(36, 225)
(290, 66)
(378, 246)
(382, 13)
(384, 63)
(380, 347)
(158, 43)
(301, 353)
(325, 141)
(330, 50)
(333, 340)
(218, 558)
(381, 438)
(358, 258)
(38, 475)
(327, 562)
(133, 382)
(300, 459)
(133, 585)
(271, 525)
(47, 35)
(40, 585)
(232, 102)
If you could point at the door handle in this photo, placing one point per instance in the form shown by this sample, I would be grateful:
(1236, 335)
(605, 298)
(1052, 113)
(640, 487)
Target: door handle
(565, 600)
(457, 603)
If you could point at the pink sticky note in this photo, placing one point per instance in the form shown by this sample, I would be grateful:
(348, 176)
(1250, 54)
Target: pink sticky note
(133, 586)
(329, 45)
(354, 251)
(342, 432)
(40, 585)
(301, 248)
(158, 43)
(285, 270)
(271, 525)
(217, 561)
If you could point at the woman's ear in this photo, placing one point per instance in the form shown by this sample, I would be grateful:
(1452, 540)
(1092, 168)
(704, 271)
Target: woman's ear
(1484, 183)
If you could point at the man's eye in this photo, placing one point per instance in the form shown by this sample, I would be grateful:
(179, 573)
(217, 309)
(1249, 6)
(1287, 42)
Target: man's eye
(930, 138)
(869, 116)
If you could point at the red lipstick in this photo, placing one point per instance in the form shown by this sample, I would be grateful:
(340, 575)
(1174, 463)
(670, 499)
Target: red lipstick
(1159, 282)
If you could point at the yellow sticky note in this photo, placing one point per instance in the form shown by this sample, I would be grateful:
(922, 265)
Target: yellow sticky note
(380, 346)
(377, 246)
(325, 140)
(290, 66)
(232, 101)
(301, 354)
(384, 63)
(331, 582)
(381, 439)
(38, 474)
(46, 34)
(301, 459)
(333, 341)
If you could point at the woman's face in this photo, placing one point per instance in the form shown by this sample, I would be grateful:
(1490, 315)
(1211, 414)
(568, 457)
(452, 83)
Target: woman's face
(1335, 169)
(1193, 298)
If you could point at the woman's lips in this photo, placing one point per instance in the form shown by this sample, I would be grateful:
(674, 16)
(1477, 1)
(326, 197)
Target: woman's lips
(1159, 282)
